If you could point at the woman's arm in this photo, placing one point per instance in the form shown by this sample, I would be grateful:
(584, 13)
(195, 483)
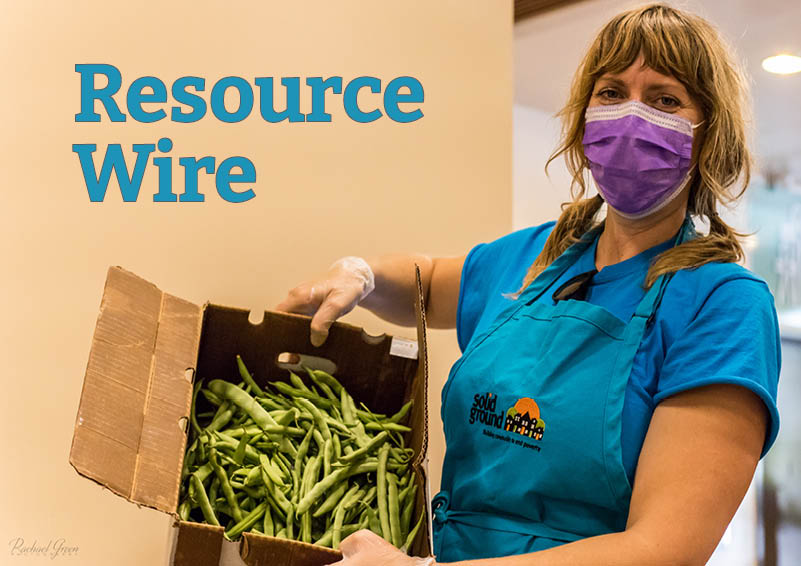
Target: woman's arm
(338, 291)
(396, 289)
(697, 462)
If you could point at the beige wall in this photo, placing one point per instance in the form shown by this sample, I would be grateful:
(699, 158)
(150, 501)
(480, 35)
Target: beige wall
(436, 186)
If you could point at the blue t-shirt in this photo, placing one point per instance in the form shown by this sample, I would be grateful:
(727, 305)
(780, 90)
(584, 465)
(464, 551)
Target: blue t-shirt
(716, 323)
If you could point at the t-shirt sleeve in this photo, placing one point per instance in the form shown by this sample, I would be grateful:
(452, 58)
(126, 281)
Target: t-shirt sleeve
(471, 296)
(734, 339)
(491, 269)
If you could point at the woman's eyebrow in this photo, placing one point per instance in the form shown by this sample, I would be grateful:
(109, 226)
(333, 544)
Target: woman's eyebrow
(666, 86)
(613, 80)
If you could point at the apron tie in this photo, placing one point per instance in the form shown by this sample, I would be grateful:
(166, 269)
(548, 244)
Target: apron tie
(440, 505)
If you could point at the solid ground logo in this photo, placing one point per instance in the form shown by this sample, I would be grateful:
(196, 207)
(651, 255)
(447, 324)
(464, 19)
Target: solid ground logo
(523, 418)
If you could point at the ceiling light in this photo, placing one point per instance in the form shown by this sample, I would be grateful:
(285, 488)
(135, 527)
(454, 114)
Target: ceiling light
(783, 64)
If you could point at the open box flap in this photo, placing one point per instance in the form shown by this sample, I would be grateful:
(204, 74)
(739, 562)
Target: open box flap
(420, 435)
(130, 429)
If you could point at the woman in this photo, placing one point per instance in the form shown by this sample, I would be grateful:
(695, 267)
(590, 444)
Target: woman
(614, 396)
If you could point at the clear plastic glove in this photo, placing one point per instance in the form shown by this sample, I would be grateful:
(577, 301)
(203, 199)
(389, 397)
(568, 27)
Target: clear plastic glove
(365, 548)
(348, 281)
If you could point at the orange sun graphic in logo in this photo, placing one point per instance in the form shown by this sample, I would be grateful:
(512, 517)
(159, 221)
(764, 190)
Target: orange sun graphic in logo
(524, 418)
(527, 405)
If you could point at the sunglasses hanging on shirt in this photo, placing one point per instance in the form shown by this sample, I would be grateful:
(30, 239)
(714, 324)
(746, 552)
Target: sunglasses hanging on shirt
(575, 288)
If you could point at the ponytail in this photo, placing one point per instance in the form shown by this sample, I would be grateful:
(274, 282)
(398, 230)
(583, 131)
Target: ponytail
(576, 220)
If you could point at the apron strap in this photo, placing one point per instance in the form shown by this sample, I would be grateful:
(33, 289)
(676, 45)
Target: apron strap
(561, 264)
(647, 307)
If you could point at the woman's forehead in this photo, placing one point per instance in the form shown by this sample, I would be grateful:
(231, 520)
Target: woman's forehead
(639, 72)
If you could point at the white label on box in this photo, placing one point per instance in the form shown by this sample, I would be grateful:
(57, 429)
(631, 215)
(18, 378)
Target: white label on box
(403, 348)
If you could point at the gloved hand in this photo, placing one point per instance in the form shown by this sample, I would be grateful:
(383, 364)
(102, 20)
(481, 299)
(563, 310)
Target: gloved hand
(365, 548)
(335, 294)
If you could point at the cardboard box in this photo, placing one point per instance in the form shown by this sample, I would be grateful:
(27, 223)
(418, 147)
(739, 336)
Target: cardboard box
(131, 429)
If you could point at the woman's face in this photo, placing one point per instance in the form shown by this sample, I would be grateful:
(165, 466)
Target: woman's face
(645, 85)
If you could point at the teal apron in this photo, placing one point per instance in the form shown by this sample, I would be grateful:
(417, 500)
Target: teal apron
(532, 416)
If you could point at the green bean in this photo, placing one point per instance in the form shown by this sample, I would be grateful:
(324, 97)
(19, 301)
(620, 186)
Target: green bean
(276, 495)
(318, 417)
(297, 382)
(183, 510)
(189, 459)
(413, 533)
(366, 415)
(269, 430)
(213, 490)
(312, 470)
(334, 423)
(394, 511)
(203, 501)
(204, 471)
(281, 533)
(302, 450)
(349, 509)
(387, 426)
(290, 523)
(226, 442)
(283, 416)
(347, 411)
(346, 530)
(406, 516)
(193, 408)
(211, 397)
(329, 379)
(225, 485)
(242, 400)
(333, 498)
(223, 416)
(377, 440)
(269, 527)
(285, 445)
(239, 453)
(337, 445)
(368, 498)
(247, 522)
(253, 477)
(280, 461)
(324, 485)
(404, 494)
(256, 493)
(319, 440)
(246, 505)
(400, 415)
(339, 516)
(322, 385)
(373, 522)
(272, 404)
(381, 481)
(328, 452)
(267, 467)
(243, 371)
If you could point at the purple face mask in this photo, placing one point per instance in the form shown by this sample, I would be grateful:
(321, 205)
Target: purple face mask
(639, 156)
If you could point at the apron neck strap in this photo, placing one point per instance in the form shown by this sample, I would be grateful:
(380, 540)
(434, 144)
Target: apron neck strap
(650, 302)
(559, 266)
(647, 307)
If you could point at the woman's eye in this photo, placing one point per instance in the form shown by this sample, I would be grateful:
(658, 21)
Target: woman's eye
(608, 94)
(668, 101)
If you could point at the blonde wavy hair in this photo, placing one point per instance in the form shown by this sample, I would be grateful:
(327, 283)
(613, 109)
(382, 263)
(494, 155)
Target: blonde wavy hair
(687, 47)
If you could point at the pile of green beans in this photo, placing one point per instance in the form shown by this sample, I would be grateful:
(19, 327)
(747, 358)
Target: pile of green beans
(297, 460)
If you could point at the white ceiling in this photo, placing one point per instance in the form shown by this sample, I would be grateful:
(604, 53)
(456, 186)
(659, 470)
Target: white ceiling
(549, 47)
